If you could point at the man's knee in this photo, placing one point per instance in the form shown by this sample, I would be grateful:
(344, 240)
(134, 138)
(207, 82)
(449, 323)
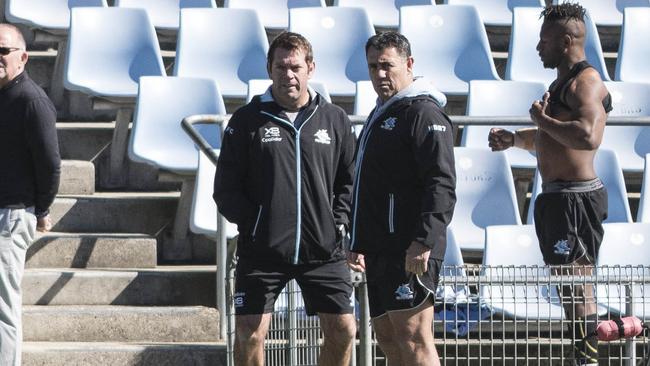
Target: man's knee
(250, 329)
(338, 328)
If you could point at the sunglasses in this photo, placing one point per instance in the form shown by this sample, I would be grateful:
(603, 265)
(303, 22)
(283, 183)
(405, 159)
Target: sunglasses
(4, 51)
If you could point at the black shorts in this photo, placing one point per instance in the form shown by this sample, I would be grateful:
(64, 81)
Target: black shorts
(391, 288)
(569, 225)
(326, 288)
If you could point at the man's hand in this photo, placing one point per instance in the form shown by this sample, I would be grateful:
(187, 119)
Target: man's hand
(417, 257)
(538, 109)
(356, 262)
(44, 224)
(500, 139)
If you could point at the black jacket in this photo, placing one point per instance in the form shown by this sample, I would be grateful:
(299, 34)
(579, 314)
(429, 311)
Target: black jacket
(405, 177)
(30, 165)
(287, 189)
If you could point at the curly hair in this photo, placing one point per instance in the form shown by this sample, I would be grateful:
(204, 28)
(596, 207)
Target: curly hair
(565, 11)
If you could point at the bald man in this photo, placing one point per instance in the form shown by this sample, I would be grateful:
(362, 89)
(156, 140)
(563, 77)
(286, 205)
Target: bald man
(30, 169)
(570, 121)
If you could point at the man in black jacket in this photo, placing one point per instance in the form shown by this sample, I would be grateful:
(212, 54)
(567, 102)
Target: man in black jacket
(285, 178)
(29, 171)
(404, 197)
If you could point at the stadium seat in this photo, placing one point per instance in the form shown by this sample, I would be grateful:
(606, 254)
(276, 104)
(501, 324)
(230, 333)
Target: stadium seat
(631, 143)
(235, 56)
(259, 86)
(338, 37)
(365, 98)
(383, 13)
(449, 45)
(163, 13)
(485, 196)
(274, 14)
(496, 99)
(634, 48)
(513, 251)
(609, 171)
(644, 203)
(48, 15)
(608, 12)
(524, 63)
(496, 12)
(203, 217)
(197, 4)
(625, 251)
(455, 288)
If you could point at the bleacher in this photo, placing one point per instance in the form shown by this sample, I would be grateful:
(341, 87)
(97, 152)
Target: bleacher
(127, 276)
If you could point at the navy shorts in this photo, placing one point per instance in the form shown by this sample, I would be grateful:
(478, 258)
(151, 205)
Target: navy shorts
(326, 288)
(391, 288)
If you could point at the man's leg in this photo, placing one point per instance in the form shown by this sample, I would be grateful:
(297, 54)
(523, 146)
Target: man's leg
(413, 331)
(250, 332)
(339, 331)
(387, 340)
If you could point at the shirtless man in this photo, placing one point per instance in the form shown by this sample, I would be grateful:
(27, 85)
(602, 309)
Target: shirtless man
(570, 121)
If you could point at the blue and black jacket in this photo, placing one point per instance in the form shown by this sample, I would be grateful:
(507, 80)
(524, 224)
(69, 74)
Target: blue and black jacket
(287, 188)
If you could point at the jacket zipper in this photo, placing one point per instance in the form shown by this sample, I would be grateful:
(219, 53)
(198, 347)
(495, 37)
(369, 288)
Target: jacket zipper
(257, 221)
(391, 213)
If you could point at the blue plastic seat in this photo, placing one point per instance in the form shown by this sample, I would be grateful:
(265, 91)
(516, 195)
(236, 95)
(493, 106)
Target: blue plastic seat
(338, 37)
(485, 196)
(235, 56)
(501, 98)
(259, 86)
(449, 45)
(49, 15)
(497, 12)
(197, 4)
(634, 48)
(274, 14)
(157, 137)
(609, 171)
(644, 203)
(608, 12)
(513, 251)
(454, 289)
(625, 251)
(524, 63)
(163, 13)
(383, 13)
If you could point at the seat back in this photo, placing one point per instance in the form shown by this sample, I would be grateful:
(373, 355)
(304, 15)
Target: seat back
(608, 12)
(449, 45)
(274, 14)
(197, 4)
(163, 13)
(157, 137)
(338, 37)
(634, 48)
(524, 63)
(453, 288)
(497, 12)
(259, 86)
(485, 195)
(500, 98)
(383, 13)
(45, 14)
(235, 56)
(123, 54)
(644, 203)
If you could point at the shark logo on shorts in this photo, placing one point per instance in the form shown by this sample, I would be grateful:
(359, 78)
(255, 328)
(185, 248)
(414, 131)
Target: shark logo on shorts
(562, 247)
(389, 124)
(404, 292)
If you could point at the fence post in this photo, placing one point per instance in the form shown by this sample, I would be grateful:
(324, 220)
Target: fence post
(365, 335)
(222, 258)
(630, 348)
(292, 324)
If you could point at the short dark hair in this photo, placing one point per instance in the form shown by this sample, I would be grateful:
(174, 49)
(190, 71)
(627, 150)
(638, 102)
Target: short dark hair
(290, 41)
(390, 39)
(565, 11)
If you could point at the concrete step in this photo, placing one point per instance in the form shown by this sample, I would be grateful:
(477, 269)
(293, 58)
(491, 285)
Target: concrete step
(163, 286)
(121, 212)
(77, 177)
(123, 354)
(71, 250)
(120, 324)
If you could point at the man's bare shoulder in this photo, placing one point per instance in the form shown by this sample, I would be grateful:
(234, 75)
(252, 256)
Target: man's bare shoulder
(586, 87)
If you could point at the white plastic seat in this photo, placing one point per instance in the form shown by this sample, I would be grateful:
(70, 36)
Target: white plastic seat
(609, 171)
(449, 45)
(274, 14)
(524, 63)
(608, 12)
(197, 4)
(338, 37)
(497, 12)
(383, 13)
(634, 48)
(203, 217)
(233, 58)
(508, 248)
(644, 203)
(259, 86)
(365, 100)
(157, 137)
(625, 251)
(163, 13)
(454, 289)
(49, 15)
(107, 61)
(631, 143)
(485, 195)
(501, 98)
